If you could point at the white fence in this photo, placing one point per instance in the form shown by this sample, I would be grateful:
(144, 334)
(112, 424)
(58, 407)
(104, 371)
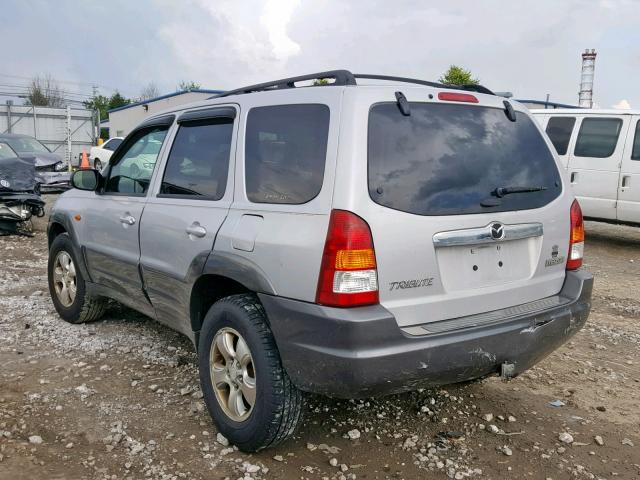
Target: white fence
(65, 131)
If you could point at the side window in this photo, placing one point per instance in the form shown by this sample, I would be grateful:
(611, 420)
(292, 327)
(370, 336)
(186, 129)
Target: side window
(198, 164)
(635, 153)
(285, 153)
(6, 151)
(598, 137)
(131, 172)
(559, 130)
(112, 144)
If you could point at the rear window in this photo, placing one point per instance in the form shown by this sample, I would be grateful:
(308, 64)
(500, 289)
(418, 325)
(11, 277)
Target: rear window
(445, 159)
(598, 137)
(559, 130)
(286, 149)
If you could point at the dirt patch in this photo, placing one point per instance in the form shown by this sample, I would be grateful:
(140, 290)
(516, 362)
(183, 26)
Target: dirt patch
(120, 398)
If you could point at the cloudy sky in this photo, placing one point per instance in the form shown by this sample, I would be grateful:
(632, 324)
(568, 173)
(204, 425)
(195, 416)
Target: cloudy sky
(528, 47)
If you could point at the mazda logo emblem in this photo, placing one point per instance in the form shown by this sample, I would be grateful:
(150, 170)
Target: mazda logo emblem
(497, 231)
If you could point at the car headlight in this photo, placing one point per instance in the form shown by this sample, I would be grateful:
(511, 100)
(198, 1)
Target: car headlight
(58, 167)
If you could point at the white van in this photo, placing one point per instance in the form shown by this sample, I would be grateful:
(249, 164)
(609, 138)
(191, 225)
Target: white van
(601, 151)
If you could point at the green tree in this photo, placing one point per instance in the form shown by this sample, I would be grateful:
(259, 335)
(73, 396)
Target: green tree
(103, 104)
(321, 81)
(99, 103)
(117, 100)
(187, 85)
(458, 76)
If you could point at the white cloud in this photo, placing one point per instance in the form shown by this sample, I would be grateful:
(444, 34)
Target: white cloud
(622, 105)
(275, 18)
(530, 47)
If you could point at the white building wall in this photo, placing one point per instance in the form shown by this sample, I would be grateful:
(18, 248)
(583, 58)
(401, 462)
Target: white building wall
(121, 122)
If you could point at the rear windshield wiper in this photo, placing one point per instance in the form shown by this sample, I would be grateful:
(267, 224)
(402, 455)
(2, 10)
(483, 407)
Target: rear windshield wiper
(502, 191)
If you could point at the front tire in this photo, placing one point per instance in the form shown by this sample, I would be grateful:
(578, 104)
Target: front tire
(247, 391)
(67, 285)
(97, 164)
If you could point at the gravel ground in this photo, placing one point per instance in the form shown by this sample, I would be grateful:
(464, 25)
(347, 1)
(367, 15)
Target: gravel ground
(119, 398)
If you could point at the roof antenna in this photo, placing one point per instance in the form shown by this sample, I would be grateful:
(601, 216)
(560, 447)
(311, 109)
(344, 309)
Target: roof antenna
(403, 104)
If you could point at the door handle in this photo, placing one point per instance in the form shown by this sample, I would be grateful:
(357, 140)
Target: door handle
(127, 219)
(196, 230)
(626, 180)
(574, 177)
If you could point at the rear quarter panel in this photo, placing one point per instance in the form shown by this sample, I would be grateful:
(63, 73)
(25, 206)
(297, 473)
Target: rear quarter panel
(286, 242)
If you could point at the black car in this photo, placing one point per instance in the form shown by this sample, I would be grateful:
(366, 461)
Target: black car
(51, 171)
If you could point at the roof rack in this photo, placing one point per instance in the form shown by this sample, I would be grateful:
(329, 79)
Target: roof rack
(471, 88)
(342, 78)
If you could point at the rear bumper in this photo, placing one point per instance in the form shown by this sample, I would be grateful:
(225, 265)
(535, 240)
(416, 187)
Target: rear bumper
(360, 352)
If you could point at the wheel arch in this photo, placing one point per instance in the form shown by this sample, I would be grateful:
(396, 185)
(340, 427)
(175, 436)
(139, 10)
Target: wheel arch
(60, 223)
(55, 228)
(224, 274)
(207, 290)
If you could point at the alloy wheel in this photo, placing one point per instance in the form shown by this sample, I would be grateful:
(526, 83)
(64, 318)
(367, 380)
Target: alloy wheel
(64, 278)
(233, 374)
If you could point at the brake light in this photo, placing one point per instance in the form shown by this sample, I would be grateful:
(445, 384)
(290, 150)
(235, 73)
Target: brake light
(348, 275)
(576, 238)
(457, 97)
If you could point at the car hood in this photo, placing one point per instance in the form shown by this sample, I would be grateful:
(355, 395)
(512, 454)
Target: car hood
(42, 159)
(17, 175)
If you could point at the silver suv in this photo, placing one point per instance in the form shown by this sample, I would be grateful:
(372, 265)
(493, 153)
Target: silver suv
(352, 237)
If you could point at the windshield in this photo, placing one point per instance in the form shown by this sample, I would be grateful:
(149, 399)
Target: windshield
(446, 159)
(6, 151)
(27, 145)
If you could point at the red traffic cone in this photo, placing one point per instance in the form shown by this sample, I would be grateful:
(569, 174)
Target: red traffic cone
(84, 163)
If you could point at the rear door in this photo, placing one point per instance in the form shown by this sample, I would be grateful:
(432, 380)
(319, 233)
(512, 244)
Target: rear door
(112, 217)
(629, 190)
(594, 166)
(191, 201)
(448, 242)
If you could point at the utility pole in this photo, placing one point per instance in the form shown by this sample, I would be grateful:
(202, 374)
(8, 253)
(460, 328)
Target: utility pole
(69, 138)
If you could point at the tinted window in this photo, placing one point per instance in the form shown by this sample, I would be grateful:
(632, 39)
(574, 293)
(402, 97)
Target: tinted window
(445, 159)
(598, 137)
(635, 153)
(559, 130)
(112, 144)
(131, 171)
(286, 149)
(199, 159)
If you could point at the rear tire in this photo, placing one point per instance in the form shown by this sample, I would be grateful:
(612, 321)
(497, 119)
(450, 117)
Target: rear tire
(67, 286)
(97, 164)
(277, 406)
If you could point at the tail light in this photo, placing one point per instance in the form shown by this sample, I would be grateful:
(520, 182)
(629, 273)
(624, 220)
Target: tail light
(348, 275)
(457, 97)
(576, 238)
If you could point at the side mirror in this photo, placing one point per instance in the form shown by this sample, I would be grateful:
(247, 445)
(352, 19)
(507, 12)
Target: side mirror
(86, 180)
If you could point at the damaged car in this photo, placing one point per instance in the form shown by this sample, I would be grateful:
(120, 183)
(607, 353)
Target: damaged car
(19, 192)
(51, 171)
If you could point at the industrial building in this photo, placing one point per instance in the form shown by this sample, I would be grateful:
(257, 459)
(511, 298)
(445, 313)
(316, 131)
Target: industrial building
(124, 119)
